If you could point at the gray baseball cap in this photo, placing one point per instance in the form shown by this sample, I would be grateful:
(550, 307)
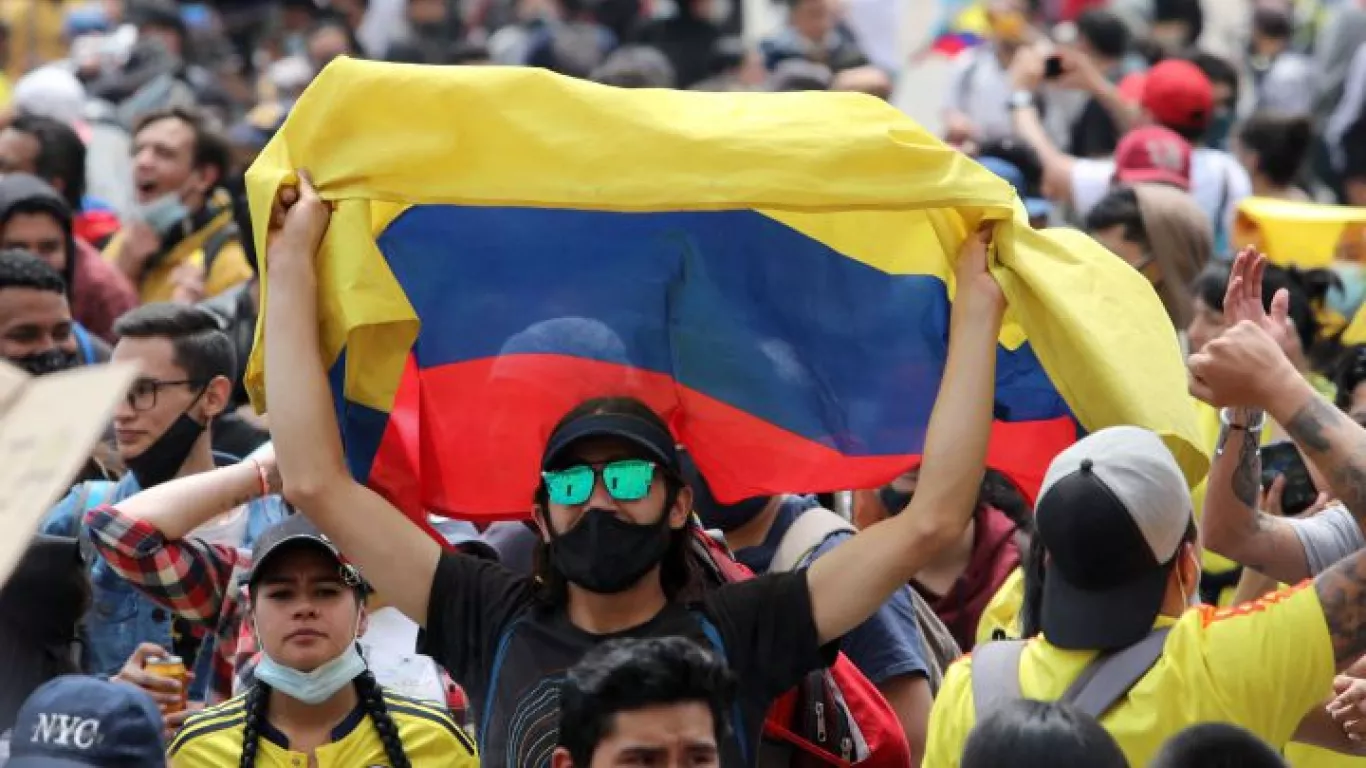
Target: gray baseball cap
(1112, 513)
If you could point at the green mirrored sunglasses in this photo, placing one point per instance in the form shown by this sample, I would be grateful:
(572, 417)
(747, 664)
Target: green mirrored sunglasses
(625, 480)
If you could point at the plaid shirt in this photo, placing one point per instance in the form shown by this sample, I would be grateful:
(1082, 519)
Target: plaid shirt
(204, 584)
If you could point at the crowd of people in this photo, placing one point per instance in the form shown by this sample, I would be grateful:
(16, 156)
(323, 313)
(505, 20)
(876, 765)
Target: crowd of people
(217, 589)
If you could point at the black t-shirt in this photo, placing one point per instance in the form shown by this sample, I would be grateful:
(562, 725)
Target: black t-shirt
(480, 610)
(1094, 134)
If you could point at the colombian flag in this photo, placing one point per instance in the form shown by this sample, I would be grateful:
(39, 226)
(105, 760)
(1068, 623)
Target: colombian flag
(964, 26)
(771, 272)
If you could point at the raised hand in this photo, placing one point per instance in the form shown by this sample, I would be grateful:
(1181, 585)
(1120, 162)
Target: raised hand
(298, 221)
(977, 289)
(1243, 300)
(1243, 367)
(1348, 709)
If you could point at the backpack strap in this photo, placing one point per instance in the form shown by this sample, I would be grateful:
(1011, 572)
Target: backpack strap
(1110, 676)
(1221, 215)
(995, 675)
(87, 348)
(92, 495)
(214, 243)
(737, 715)
(941, 650)
(808, 531)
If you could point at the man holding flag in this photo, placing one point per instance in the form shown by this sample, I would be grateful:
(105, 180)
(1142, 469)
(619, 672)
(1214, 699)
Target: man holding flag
(612, 513)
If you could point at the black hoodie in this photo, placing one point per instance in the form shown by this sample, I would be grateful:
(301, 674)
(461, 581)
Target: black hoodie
(25, 193)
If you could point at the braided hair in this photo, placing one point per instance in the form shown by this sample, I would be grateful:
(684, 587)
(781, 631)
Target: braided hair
(371, 698)
(257, 699)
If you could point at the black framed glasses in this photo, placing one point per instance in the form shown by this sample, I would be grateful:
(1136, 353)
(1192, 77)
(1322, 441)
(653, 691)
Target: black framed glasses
(143, 394)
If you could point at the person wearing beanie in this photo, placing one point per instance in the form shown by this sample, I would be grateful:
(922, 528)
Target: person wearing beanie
(1161, 232)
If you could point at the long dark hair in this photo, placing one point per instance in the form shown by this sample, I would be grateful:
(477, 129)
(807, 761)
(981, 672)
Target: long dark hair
(676, 571)
(371, 697)
(1308, 290)
(40, 608)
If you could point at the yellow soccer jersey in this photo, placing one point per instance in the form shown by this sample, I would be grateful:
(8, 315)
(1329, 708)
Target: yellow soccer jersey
(213, 738)
(1262, 665)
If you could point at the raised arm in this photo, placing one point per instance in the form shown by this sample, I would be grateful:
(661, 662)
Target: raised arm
(851, 581)
(177, 508)
(1026, 73)
(1232, 523)
(1245, 367)
(394, 555)
(144, 537)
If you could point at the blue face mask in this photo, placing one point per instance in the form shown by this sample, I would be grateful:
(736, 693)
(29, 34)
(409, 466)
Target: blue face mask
(1216, 137)
(312, 687)
(163, 213)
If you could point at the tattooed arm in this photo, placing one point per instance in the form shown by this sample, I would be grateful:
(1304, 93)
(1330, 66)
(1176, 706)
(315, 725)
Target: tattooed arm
(1232, 524)
(1338, 446)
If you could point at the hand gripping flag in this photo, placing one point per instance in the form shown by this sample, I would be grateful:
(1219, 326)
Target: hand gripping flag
(771, 272)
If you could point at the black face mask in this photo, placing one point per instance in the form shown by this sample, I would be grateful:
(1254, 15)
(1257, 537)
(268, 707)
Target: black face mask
(48, 361)
(895, 501)
(163, 458)
(714, 514)
(607, 555)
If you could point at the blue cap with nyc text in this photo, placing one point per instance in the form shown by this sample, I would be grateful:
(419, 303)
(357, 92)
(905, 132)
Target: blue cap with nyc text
(76, 721)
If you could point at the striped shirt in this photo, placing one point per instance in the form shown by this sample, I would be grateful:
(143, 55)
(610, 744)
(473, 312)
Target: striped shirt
(213, 738)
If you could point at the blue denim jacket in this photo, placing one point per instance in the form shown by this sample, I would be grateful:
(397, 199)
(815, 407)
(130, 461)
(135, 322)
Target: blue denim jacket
(120, 617)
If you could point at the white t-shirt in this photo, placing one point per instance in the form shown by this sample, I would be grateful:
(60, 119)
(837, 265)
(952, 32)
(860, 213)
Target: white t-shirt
(980, 88)
(877, 26)
(228, 529)
(389, 642)
(1218, 183)
(1327, 537)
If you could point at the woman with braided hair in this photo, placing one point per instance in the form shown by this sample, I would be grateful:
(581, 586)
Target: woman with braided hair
(314, 702)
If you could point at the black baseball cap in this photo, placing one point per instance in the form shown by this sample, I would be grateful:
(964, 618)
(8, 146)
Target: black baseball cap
(297, 530)
(650, 437)
(1112, 513)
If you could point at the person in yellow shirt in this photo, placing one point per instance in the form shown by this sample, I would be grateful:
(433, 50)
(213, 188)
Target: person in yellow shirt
(181, 243)
(314, 701)
(1284, 549)
(1115, 521)
(1306, 294)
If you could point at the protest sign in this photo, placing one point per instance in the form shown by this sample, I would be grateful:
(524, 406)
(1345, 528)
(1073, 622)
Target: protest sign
(47, 427)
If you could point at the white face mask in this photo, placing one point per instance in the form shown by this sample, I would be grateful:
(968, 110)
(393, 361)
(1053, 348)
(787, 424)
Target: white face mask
(163, 213)
(319, 685)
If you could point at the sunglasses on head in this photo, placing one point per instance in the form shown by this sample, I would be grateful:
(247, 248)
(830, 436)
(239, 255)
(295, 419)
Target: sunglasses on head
(625, 480)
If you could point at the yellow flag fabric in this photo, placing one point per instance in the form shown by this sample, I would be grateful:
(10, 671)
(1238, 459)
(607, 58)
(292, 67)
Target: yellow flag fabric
(1290, 233)
(403, 150)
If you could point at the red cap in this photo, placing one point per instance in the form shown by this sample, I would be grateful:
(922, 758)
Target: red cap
(1131, 87)
(1153, 154)
(1178, 95)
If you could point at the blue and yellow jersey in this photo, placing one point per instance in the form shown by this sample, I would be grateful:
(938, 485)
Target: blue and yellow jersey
(213, 738)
